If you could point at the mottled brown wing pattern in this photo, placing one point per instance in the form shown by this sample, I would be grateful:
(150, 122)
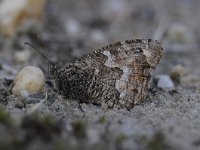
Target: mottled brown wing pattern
(118, 75)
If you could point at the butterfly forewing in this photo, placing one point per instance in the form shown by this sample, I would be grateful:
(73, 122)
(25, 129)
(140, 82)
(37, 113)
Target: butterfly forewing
(118, 75)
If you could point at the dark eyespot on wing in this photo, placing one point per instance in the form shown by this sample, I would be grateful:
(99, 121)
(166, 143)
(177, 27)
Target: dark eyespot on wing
(138, 50)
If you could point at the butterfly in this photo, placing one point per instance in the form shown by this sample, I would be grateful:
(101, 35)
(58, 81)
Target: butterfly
(117, 75)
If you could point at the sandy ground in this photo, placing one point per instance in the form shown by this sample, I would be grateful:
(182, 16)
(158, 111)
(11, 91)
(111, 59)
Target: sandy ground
(168, 119)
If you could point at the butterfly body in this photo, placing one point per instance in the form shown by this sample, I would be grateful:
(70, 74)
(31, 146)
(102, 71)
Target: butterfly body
(118, 75)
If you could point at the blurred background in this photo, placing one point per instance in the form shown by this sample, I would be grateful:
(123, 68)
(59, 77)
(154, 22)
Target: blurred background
(68, 29)
(73, 28)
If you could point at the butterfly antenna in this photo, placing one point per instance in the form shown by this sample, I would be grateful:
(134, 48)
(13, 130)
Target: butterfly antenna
(34, 48)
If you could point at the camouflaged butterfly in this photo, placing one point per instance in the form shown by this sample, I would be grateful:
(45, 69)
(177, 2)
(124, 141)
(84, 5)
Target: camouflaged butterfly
(118, 75)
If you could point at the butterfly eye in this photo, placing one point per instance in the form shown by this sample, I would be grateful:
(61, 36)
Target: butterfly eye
(138, 50)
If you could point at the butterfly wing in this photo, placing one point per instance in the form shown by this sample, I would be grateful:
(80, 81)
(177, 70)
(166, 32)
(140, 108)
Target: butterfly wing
(117, 75)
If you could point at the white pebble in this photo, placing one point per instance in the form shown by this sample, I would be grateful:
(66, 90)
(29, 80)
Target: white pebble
(164, 82)
(30, 79)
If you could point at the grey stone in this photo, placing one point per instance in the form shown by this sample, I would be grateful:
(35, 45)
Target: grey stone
(164, 82)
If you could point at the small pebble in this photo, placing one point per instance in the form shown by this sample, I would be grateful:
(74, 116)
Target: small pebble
(29, 80)
(177, 72)
(164, 82)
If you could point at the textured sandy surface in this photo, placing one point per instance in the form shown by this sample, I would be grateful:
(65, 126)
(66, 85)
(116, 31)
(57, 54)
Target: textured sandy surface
(166, 120)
